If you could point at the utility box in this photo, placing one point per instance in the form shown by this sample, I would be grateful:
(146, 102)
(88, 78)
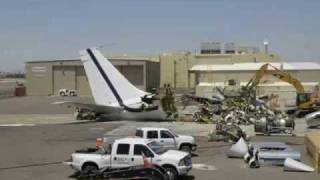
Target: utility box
(312, 141)
(20, 91)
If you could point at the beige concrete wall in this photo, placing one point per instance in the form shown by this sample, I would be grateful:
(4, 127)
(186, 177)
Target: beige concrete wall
(82, 83)
(64, 77)
(268, 84)
(310, 75)
(257, 57)
(166, 69)
(38, 78)
(174, 69)
(203, 59)
(224, 76)
(153, 75)
(245, 76)
(174, 66)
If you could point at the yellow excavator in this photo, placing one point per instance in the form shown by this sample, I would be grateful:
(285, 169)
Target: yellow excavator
(305, 101)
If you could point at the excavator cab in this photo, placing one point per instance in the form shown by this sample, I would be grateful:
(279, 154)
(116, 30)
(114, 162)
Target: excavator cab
(305, 104)
(303, 100)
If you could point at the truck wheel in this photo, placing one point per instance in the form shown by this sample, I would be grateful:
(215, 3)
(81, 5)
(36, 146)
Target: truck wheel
(186, 148)
(62, 94)
(171, 172)
(89, 168)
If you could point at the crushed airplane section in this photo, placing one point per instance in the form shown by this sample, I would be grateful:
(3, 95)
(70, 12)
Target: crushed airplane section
(294, 165)
(113, 94)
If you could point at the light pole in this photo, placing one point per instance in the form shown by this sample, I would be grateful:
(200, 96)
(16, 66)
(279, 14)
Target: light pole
(266, 44)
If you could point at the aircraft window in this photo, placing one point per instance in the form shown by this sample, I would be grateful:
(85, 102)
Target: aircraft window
(152, 135)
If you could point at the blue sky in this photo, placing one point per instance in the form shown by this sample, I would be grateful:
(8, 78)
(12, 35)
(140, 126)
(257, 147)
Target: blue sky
(47, 29)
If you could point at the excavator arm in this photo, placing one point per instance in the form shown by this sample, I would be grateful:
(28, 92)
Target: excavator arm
(303, 98)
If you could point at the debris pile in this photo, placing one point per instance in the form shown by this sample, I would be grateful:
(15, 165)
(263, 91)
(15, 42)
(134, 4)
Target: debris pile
(227, 132)
(228, 112)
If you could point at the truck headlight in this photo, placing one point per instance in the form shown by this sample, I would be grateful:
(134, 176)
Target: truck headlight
(181, 162)
(193, 141)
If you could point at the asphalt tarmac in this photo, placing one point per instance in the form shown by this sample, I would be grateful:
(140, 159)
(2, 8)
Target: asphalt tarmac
(35, 138)
(36, 152)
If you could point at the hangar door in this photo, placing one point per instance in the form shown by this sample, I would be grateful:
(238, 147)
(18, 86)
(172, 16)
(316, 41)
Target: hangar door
(64, 77)
(134, 73)
(82, 83)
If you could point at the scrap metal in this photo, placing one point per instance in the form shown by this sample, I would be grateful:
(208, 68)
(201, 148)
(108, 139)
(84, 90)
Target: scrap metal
(240, 108)
(270, 153)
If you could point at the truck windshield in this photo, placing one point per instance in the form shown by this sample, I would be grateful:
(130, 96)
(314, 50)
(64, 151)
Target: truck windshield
(173, 133)
(156, 147)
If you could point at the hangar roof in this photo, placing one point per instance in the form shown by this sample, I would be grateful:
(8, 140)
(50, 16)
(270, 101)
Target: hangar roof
(256, 66)
(124, 58)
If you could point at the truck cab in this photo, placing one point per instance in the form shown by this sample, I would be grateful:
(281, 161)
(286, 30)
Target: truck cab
(167, 138)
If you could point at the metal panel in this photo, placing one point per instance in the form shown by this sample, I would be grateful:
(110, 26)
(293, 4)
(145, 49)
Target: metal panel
(39, 79)
(64, 77)
(82, 84)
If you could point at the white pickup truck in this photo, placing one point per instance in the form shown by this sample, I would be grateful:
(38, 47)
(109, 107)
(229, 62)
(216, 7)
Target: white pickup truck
(128, 152)
(168, 139)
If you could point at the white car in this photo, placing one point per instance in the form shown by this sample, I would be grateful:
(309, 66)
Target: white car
(128, 152)
(168, 139)
(67, 92)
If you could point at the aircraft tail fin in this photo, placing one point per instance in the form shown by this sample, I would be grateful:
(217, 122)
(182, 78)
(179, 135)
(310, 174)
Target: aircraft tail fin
(109, 87)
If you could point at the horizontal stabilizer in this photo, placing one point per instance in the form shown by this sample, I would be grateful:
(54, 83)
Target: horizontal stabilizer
(96, 108)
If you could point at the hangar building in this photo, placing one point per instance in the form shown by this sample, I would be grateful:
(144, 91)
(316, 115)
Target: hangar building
(174, 67)
(214, 67)
(210, 76)
(48, 77)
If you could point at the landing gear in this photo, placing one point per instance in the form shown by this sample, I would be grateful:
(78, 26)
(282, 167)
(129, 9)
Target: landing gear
(85, 114)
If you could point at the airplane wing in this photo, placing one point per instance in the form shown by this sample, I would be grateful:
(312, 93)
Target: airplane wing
(93, 107)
